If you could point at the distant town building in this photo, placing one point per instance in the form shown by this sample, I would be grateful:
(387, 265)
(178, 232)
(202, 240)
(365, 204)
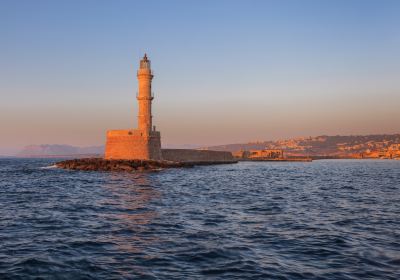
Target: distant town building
(394, 148)
(393, 151)
(241, 154)
(259, 154)
(267, 153)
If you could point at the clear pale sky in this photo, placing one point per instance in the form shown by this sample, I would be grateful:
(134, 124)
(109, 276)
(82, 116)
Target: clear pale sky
(225, 71)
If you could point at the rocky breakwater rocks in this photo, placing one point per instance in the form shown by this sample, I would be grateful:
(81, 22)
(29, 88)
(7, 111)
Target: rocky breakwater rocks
(100, 164)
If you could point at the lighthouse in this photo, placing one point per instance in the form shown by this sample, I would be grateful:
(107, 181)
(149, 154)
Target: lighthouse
(143, 142)
(145, 96)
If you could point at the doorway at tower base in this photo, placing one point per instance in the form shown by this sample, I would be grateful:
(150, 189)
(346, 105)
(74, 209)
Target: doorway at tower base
(133, 144)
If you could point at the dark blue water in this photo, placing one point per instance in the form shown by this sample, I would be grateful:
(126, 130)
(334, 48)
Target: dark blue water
(319, 220)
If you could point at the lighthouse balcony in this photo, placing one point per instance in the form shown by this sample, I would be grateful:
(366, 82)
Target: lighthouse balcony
(145, 72)
(131, 132)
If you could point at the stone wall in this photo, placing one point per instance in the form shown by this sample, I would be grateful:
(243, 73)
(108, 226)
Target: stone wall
(132, 144)
(187, 155)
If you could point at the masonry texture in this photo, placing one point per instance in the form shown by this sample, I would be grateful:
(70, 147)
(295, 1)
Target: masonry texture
(132, 144)
(145, 142)
(187, 155)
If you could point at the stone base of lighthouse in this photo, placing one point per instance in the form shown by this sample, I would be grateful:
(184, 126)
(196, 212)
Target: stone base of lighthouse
(133, 144)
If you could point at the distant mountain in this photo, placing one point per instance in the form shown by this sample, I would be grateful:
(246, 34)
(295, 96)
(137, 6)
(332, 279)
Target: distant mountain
(60, 150)
(320, 145)
(73, 151)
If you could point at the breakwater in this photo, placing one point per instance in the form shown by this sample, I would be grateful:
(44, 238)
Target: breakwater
(190, 155)
(100, 164)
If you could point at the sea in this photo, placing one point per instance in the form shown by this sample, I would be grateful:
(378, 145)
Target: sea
(326, 219)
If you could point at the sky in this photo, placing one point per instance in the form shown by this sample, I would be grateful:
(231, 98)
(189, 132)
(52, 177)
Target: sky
(225, 71)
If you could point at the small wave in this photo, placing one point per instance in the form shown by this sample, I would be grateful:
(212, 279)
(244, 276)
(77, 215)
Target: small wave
(48, 167)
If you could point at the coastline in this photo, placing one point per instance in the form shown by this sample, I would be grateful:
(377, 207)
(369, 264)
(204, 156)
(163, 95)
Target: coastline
(280, 159)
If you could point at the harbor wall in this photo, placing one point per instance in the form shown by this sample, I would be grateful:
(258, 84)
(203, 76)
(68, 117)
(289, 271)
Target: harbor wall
(188, 155)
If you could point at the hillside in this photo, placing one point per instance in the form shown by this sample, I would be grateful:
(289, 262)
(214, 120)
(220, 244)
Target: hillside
(320, 145)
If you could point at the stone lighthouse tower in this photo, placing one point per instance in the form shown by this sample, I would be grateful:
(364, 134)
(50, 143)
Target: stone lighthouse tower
(143, 142)
(144, 97)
